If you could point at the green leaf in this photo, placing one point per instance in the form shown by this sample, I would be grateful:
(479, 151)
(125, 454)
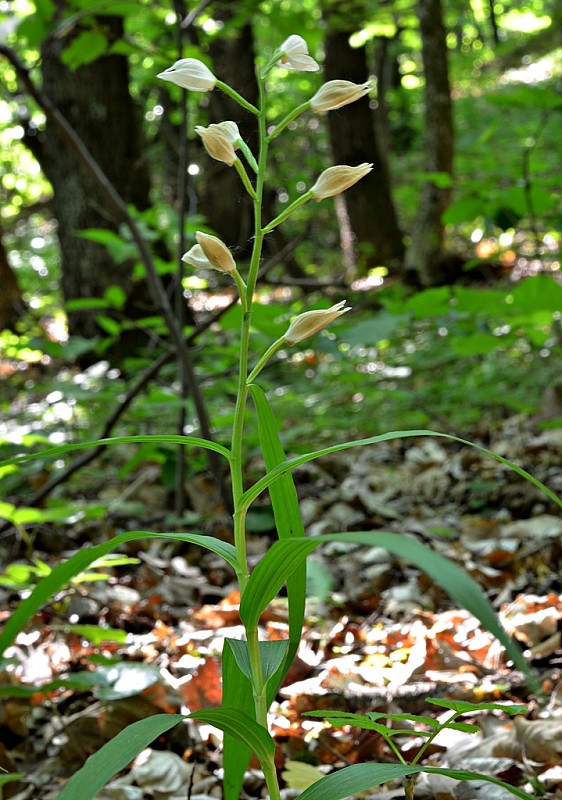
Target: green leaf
(465, 209)
(84, 49)
(115, 755)
(338, 719)
(96, 635)
(352, 780)
(188, 441)
(76, 564)
(358, 778)
(254, 491)
(462, 707)
(465, 727)
(236, 693)
(272, 654)
(242, 727)
(288, 519)
(269, 575)
(453, 579)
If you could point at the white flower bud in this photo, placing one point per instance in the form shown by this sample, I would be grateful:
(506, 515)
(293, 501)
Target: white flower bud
(294, 55)
(217, 143)
(335, 180)
(313, 321)
(190, 73)
(196, 258)
(216, 252)
(336, 94)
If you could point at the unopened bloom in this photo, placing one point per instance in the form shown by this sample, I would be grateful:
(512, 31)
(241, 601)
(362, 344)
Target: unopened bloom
(337, 179)
(216, 252)
(294, 55)
(197, 258)
(335, 94)
(190, 73)
(313, 321)
(230, 130)
(217, 143)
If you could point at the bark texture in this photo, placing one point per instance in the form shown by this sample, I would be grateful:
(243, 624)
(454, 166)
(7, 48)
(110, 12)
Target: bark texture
(12, 306)
(424, 258)
(354, 139)
(95, 100)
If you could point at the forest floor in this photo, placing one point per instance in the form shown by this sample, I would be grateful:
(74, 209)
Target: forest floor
(136, 640)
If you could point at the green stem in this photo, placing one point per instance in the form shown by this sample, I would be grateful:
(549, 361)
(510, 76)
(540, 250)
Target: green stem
(245, 179)
(237, 97)
(241, 286)
(236, 465)
(264, 359)
(288, 211)
(287, 120)
(248, 155)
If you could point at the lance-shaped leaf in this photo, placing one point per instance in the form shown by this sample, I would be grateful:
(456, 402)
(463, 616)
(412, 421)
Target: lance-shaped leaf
(241, 726)
(271, 572)
(188, 441)
(236, 693)
(287, 515)
(264, 483)
(61, 575)
(115, 755)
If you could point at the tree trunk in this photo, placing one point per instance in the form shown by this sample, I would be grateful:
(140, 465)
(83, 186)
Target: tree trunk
(354, 140)
(424, 258)
(95, 100)
(12, 306)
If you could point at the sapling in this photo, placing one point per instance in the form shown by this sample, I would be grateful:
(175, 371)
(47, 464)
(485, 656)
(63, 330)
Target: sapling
(253, 669)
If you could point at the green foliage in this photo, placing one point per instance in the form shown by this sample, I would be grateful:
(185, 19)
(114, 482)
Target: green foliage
(486, 329)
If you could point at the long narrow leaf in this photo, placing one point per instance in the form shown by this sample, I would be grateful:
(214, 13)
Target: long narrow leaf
(361, 777)
(271, 572)
(238, 724)
(453, 579)
(254, 491)
(115, 755)
(268, 577)
(288, 519)
(48, 587)
(236, 693)
(188, 441)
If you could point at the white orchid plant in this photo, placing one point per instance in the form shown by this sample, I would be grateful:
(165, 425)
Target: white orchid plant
(253, 668)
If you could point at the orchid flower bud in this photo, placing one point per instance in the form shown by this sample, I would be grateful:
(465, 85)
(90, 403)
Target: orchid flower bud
(190, 73)
(197, 258)
(335, 94)
(217, 143)
(335, 180)
(313, 321)
(230, 130)
(294, 55)
(216, 252)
